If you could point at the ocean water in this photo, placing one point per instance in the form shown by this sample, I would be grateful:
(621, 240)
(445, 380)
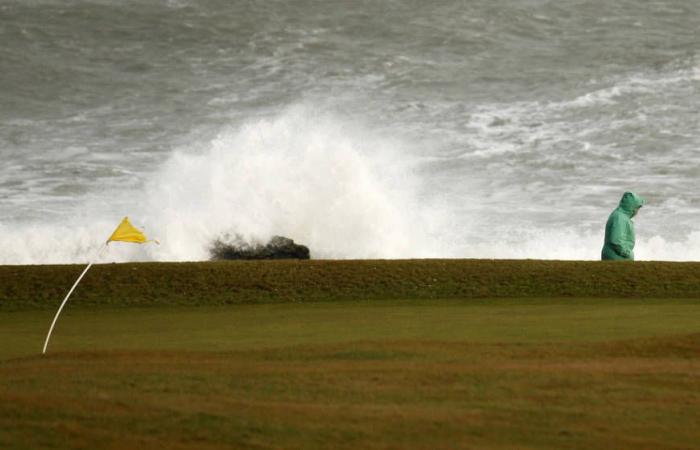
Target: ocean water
(369, 129)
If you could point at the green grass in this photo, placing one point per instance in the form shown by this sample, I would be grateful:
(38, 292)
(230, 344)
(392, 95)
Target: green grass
(236, 282)
(352, 354)
(247, 327)
(492, 373)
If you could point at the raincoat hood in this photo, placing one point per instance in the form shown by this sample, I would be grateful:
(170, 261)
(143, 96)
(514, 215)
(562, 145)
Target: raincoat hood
(631, 202)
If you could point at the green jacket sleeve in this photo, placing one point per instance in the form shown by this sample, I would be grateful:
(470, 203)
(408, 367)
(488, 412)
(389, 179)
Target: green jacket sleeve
(621, 238)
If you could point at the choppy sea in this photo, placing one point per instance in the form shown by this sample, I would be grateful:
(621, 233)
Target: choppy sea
(368, 129)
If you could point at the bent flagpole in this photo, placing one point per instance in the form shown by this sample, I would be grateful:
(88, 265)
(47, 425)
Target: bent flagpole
(48, 336)
(125, 232)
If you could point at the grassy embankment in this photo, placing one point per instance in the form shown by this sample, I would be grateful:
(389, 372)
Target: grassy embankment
(370, 354)
(222, 283)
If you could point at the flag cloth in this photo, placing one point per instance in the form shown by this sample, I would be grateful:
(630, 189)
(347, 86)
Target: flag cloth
(126, 232)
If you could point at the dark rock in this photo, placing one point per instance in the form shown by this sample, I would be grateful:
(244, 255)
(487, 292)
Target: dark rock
(278, 248)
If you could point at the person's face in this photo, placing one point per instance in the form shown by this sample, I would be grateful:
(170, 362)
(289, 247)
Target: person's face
(636, 211)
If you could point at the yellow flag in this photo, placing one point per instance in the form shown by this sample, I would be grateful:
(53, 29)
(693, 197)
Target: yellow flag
(126, 232)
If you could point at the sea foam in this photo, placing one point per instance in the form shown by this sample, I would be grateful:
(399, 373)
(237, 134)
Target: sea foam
(329, 185)
(335, 186)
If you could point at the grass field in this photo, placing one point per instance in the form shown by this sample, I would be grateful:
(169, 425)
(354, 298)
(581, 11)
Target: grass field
(343, 371)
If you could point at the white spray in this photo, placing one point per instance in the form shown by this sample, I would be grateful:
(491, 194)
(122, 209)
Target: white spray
(342, 192)
(340, 189)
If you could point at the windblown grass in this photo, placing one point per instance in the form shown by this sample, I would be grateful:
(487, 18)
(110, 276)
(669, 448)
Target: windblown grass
(235, 282)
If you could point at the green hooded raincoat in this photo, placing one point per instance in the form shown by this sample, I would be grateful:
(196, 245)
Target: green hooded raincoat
(619, 231)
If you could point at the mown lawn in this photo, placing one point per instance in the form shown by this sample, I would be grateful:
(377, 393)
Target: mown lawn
(477, 373)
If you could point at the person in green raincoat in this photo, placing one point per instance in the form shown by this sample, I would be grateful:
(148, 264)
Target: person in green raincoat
(619, 230)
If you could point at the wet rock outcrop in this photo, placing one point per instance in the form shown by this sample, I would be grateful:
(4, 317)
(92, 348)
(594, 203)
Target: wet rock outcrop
(278, 247)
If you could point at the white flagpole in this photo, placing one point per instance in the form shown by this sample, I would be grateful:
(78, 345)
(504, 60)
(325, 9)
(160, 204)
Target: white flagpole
(65, 300)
